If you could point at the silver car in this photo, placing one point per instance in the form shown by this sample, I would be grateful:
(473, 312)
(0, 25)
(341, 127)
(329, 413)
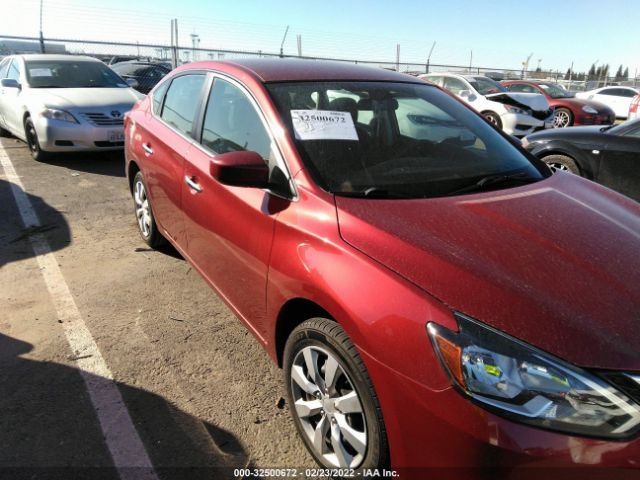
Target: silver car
(63, 103)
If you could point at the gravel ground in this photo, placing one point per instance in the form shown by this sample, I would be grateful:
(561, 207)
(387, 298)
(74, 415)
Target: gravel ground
(202, 393)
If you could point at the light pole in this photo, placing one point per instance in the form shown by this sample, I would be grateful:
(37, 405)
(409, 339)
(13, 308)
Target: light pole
(42, 50)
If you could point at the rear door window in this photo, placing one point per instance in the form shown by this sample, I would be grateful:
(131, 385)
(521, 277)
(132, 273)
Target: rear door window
(454, 85)
(183, 101)
(4, 67)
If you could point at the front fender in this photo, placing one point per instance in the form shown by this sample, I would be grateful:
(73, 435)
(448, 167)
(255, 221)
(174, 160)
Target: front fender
(557, 147)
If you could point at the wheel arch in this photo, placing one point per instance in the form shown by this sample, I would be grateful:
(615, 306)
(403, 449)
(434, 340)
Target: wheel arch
(291, 314)
(584, 167)
(132, 169)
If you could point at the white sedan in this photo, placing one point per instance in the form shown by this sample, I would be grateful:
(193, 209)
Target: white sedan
(518, 114)
(62, 103)
(615, 97)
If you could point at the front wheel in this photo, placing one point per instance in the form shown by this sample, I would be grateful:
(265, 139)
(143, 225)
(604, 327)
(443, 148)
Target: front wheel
(562, 163)
(493, 118)
(332, 399)
(32, 141)
(562, 118)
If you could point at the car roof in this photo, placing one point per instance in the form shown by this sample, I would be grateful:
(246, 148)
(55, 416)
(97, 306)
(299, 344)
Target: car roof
(293, 69)
(57, 58)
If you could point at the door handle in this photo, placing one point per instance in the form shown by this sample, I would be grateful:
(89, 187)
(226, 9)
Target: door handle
(147, 148)
(193, 184)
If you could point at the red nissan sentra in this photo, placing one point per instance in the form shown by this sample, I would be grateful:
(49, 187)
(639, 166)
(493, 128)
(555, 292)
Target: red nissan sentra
(438, 301)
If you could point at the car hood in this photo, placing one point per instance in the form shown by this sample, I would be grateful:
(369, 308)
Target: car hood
(70, 98)
(522, 100)
(581, 102)
(554, 263)
(586, 133)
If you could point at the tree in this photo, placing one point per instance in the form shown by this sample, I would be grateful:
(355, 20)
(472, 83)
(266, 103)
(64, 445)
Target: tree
(625, 74)
(592, 72)
(567, 75)
(618, 76)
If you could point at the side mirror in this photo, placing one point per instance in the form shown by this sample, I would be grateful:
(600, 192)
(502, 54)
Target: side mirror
(132, 82)
(10, 83)
(240, 169)
(464, 93)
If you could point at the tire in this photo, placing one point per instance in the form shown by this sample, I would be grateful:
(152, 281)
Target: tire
(145, 220)
(493, 118)
(563, 118)
(353, 434)
(4, 133)
(33, 143)
(562, 163)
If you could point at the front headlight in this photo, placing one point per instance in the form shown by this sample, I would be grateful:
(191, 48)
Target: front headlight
(512, 109)
(524, 384)
(589, 109)
(55, 114)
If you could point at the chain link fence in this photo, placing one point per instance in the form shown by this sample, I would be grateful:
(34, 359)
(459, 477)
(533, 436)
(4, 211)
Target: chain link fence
(171, 55)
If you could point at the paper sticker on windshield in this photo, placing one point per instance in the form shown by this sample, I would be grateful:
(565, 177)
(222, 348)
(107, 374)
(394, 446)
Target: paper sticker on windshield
(323, 125)
(40, 72)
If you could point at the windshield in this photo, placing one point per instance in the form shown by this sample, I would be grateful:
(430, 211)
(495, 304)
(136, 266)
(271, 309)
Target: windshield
(627, 125)
(486, 86)
(71, 74)
(555, 91)
(394, 140)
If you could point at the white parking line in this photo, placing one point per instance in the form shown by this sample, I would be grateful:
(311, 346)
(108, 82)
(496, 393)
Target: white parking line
(127, 451)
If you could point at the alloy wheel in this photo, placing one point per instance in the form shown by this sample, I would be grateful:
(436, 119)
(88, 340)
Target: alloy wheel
(328, 407)
(558, 167)
(142, 208)
(561, 119)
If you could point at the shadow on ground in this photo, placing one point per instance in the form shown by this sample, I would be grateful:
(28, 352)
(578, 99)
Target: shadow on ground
(14, 237)
(48, 428)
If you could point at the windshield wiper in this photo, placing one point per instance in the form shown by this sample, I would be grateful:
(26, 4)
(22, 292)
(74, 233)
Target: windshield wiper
(374, 192)
(492, 180)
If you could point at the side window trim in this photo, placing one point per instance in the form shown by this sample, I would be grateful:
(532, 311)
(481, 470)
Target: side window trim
(275, 147)
(158, 116)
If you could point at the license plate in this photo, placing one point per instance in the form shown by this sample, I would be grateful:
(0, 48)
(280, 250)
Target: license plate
(116, 136)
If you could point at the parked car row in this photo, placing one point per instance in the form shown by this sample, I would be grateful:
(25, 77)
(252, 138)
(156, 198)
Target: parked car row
(391, 248)
(518, 114)
(63, 103)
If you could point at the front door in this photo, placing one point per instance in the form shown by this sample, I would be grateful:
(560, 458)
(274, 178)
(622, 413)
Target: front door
(230, 229)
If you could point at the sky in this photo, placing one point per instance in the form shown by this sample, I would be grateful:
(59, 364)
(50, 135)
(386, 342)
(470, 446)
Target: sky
(488, 33)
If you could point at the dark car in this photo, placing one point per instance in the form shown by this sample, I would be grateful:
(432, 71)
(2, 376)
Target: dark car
(389, 249)
(147, 74)
(608, 155)
(569, 109)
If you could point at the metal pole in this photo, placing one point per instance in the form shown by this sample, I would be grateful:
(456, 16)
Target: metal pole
(299, 45)
(398, 57)
(429, 57)
(283, 39)
(174, 59)
(470, 61)
(42, 49)
(175, 23)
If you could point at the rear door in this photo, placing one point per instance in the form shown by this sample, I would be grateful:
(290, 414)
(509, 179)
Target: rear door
(230, 229)
(4, 68)
(162, 141)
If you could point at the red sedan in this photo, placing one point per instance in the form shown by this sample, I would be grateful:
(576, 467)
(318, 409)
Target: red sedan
(570, 110)
(395, 255)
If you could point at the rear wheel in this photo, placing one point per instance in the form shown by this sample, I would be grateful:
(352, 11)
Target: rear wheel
(493, 118)
(32, 141)
(562, 163)
(144, 215)
(332, 400)
(562, 118)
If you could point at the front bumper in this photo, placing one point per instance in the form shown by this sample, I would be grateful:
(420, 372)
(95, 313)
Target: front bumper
(595, 119)
(59, 136)
(520, 125)
(440, 434)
